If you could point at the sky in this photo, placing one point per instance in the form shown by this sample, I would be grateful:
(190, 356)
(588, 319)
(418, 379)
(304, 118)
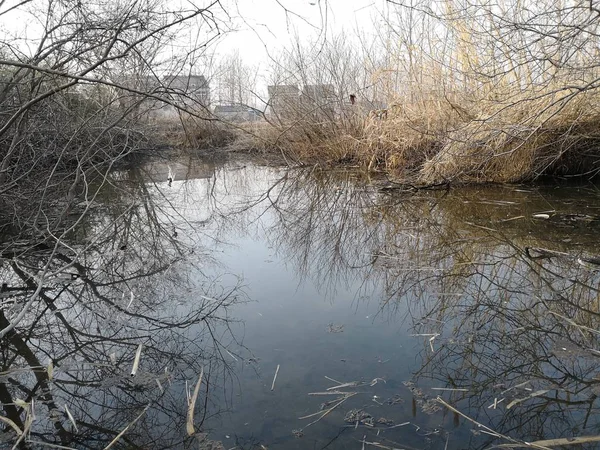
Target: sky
(258, 27)
(264, 26)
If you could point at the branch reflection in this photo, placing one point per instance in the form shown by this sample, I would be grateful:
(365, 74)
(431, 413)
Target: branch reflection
(121, 280)
(506, 300)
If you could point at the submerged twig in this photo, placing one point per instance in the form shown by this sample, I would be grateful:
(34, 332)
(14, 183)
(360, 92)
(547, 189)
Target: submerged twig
(324, 413)
(489, 430)
(554, 442)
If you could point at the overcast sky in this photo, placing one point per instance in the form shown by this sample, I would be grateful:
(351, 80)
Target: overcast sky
(259, 24)
(275, 23)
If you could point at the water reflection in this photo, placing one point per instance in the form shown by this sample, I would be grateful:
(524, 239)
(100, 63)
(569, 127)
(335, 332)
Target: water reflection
(74, 315)
(505, 302)
(486, 297)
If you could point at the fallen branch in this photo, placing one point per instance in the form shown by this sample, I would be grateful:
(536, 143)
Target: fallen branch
(189, 426)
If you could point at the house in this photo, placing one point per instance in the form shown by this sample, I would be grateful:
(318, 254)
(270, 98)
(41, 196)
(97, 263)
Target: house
(188, 89)
(284, 100)
(319, 101)
(319, 93)
(236, 113)
(190, 92)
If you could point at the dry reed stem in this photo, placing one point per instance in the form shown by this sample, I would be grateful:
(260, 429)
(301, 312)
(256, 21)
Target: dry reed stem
(189, 426)
(136, 361)
(378, 445)
(489, 430)
(71, 418)
(326, 412)
(275, 377)
(334, 380)
(13, 425)
(26, 428)
(554, 442)
(328, 393)
(532, 395)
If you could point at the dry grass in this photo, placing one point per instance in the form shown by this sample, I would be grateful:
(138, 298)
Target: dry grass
(459, 140)
(551, 135)
(488, 135)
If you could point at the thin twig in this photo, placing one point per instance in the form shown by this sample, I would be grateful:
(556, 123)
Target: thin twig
(328, 411)
(275, 377)
(118, 436)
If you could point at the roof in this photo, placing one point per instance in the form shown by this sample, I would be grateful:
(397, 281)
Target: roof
(231, 109)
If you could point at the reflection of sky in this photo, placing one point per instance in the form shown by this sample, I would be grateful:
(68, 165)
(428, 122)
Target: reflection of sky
(286, 322)
(310, 263)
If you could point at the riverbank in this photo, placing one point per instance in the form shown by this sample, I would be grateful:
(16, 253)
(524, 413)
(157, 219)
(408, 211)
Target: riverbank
(434, 142)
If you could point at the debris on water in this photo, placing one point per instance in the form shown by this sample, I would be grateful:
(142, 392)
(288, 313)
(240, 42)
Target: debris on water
(331, 328)
(275, 377)
(207, 444)
(376, 380)
(428, 405)
(496, 402)
(384, 421)
(589, 262)
(326, 405)
(358, 416)
(298, 433)
(136, 361)
(533, 394)
(395, 400)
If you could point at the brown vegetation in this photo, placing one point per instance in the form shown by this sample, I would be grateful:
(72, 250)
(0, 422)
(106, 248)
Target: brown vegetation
(437, 140)
(455, 91)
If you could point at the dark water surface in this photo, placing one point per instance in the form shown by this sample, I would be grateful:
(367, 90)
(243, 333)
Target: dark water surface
(487, 298)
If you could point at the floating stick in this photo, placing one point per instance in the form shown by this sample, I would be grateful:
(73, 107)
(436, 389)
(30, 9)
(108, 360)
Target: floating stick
(275, 377)
(189, 426)
(136, 361)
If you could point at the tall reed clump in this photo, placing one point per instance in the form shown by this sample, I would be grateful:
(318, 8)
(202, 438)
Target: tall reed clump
(461, 92)
(553, 134)
(187, 132)
(403, 137)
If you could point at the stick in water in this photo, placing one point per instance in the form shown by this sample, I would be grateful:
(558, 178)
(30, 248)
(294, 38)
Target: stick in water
(136, 361)
(275, 377)
(189, 426)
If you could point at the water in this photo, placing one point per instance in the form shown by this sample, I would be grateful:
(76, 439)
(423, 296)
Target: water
(235, 269)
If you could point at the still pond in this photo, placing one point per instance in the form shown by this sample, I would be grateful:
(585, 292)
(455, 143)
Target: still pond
(324, 310)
